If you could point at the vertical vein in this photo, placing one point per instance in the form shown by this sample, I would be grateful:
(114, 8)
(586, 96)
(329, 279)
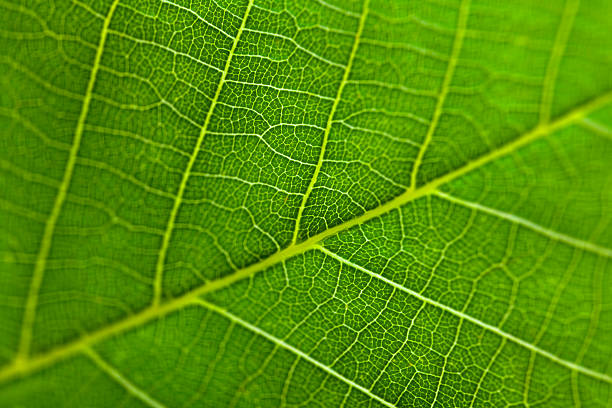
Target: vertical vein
(161, 259)
(330, 118)
(552, 70)
(45, 246)
(448, 76)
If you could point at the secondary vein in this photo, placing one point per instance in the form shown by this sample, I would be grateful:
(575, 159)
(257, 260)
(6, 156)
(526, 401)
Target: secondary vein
(154, 312)
(161, 259)
(330, 119)
(45, 245)
(547, 232)
(448, 76)
(463, 316)
(279, 342)
(120, 379)
(565, 27)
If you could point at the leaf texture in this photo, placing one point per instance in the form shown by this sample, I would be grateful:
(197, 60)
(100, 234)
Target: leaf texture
(305, 203)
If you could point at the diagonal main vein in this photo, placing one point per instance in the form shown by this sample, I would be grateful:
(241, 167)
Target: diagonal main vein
(19, 367)
(161, 259)
(45, 245)
(330, 119)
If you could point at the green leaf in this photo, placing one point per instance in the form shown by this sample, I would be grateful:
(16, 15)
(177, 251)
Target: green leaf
(315, 203)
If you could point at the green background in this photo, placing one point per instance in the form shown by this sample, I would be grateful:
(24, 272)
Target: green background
(311, 203)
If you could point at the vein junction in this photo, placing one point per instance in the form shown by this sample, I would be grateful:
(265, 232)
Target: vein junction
(21, 367)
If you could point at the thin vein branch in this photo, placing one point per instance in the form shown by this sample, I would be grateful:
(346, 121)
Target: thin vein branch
(565, 27)
(568, 364)
(464, 11)
(290, 348)
(547, 232)
(120, 379)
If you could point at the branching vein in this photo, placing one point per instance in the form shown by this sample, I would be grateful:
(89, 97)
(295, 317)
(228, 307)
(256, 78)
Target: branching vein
(464, 316)
(448, 77)
(292, 349)
(119, 378)
(163, 308)
(554, 235)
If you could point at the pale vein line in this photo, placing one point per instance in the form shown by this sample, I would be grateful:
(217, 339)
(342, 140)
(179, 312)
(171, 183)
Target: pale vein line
(552, 70)
(197, 16)
(461, 315)
(596, 127)
(161, 259)
(330, 119)
(448, 76)
(486, 371)
(19, 368)
(554, 235)
(116, 375)
(45, 245)
(290, 348)
(337, 9)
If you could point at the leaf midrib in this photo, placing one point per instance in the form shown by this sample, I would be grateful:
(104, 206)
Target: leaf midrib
(22, 367)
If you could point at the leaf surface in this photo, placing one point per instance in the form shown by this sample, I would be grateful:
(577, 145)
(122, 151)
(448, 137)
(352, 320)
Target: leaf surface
(264, 203)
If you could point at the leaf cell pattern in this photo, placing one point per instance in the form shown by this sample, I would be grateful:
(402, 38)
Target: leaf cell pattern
(334, 203)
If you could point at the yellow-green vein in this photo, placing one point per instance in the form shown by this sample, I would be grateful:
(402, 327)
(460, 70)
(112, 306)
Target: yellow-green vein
(161, 259)
(552, 70)
(462, 18)
(162, 309)
(45, 245)
(120, 379)
(281, 343)
(330, 119)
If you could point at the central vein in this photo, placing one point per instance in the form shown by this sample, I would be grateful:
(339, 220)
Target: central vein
(162, 309)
